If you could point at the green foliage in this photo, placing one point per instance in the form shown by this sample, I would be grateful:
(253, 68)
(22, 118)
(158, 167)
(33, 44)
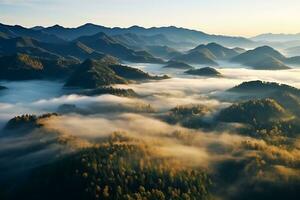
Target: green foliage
(191, 116)
(27, 121)
(253, 112)
(117, 169)
(110, 90)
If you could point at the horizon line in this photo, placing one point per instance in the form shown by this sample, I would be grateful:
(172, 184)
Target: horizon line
(147, 27)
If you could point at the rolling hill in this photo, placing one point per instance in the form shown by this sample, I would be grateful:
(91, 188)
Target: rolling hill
(287, 96)
(105, 44)
(263, 57)
(24, 67)
(253, 111)
(178, 65)
(205, 71)
(196, 57)
(217, 51)
(92, 74)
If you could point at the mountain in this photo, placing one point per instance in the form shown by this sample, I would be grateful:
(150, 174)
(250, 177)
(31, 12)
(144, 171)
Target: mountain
(71, 50)
(173, 34)
(32, 47)
(205, 71)
(115, 167)
(285, 95)
(20, 66)
(139, 42)
(217, 51)
(178, 65)
(253, 111)
(163, 52)
(258, 86)
(75, 50)
(196, 57)
(100, 91)
(92, 74)
(263, 57)
(293, 60)
(239, 50)
(25, 45)
(105, 44)
(24, 67)
(269, 63)
(276, 37)
(96, 73)
(293, 51)
(19, 31)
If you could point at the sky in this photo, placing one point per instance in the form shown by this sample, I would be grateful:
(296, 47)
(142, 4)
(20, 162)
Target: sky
(227, 17)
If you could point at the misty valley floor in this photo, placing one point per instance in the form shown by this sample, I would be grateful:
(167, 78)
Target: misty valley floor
(175, 140)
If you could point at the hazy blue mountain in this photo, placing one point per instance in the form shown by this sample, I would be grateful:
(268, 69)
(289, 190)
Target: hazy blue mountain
(172, 33)
(263, 57)
(26, 45)
(73, 49)
(239, 50)
(139, 42)
(164, 52)
(293, 51)
(105, 44)
(19, 31)
(196, 57)
(276, 37)
(178, 65)
(217, 51)
(73, 33)
(269, 63)
(293, 60)
(205, 71)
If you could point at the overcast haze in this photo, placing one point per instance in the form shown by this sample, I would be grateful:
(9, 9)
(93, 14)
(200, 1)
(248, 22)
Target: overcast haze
(230, 17)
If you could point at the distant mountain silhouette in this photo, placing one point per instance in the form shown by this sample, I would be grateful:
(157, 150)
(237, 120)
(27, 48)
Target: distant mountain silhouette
(19, 31)
(293, 60)
(103, 43)
(94, 47)
(139, 42)
(276, 37)
(293, 51)
(172, 33)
